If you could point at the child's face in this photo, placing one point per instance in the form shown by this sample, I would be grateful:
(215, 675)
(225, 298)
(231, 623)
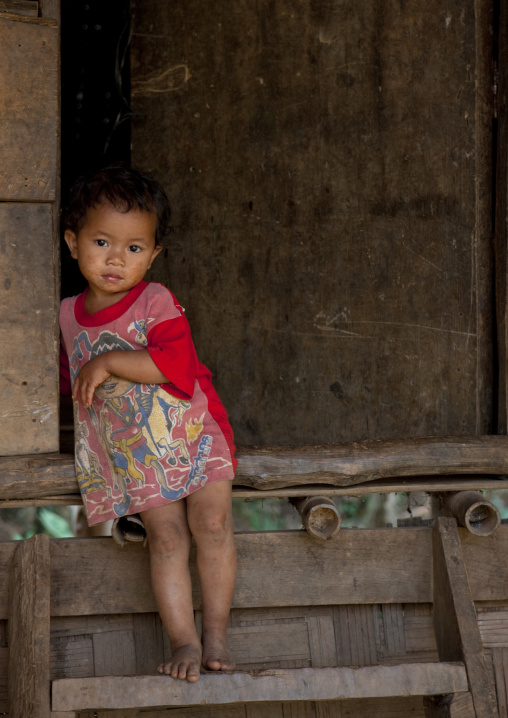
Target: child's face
(114, 249)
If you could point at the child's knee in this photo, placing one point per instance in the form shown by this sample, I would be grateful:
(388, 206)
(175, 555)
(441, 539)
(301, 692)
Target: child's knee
(167, 541)
(212, 526)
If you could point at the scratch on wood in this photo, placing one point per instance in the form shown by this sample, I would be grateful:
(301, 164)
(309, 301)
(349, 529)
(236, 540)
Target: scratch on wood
(170, 80)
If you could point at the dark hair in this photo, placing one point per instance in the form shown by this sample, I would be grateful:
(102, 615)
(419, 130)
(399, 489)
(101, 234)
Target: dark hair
(122, 187)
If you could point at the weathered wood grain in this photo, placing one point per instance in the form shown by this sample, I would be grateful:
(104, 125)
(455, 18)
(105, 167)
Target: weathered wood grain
(314, 684)
(37, 476)
(29, 108)
(29, 331)
(307, 469)
(148, 642)
(340, 232)
(500, 665)
(501, 222)
(455, 624)
(29, 627)
(357, 462)
(89, 574)
(29, 8)
(356, 631)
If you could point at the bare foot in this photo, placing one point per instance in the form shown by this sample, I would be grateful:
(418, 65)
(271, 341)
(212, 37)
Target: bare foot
(185, 663)
(216, 653)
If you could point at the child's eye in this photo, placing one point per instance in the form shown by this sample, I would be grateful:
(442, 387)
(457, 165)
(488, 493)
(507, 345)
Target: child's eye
(134, 248)
(101, 243)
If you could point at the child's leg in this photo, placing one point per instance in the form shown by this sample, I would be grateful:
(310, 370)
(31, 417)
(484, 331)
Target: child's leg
(169, 542)
(209, 515)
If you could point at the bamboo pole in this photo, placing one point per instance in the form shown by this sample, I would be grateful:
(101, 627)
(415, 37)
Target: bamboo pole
(319, 516)
(473, 511)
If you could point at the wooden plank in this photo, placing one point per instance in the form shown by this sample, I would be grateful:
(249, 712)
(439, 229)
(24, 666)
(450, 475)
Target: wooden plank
(29, 108)
(455, 625)
(241, 493)
(487, 564)
(350, 566)
(344, 567)
(323, 649)
(312, 684)
(493, 627)
(298, 709)
(276, 645)
(114, 653)
(398, 305)
(372, 708)
(394, 629)
(29, 8)
(419, 634)
(4, 702)
(67, 626)
(501, 219)
(29, 386)
(28, 671)
(149, 642)
(500, 663)
(263, 710)
(347, 464)
(71, 657)
(35, 477)
(356, 635)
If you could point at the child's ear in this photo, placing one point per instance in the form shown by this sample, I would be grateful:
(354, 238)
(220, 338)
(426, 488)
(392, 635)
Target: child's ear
(158, 248)
(72, 242)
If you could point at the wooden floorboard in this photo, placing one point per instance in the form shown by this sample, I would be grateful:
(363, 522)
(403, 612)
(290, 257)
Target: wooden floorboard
(305, 684)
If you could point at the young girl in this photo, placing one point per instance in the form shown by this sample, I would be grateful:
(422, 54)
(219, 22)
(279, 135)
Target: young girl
(152, 437)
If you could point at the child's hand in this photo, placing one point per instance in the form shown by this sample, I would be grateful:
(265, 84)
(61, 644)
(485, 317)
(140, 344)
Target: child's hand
(90, 376)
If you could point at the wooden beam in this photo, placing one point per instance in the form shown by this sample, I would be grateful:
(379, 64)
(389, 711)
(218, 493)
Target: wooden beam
(29, 630)
(37, 475)
(455, 623)
(303, 684)
(87, 573)
(353, 463)
(386, 486)
(350, 568)
(19, 7)
(342, 467)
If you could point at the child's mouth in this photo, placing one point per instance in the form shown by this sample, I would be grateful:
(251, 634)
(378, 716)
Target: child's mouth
(112, 277)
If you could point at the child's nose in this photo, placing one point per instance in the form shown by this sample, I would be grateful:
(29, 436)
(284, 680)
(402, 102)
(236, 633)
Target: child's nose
(114, 256)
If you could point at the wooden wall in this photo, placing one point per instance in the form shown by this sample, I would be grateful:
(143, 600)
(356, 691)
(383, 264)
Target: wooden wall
(329, 165)
(29, 192)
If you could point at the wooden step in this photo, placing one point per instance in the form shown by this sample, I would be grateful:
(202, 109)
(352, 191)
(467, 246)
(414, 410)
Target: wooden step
(299, 684)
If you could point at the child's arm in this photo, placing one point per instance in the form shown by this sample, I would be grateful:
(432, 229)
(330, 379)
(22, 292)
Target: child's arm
(137, 366)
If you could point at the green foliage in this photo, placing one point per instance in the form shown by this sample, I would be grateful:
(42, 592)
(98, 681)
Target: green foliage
(22, 523)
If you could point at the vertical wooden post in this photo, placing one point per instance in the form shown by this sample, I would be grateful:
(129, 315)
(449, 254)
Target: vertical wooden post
(28, 630)
(455, 625)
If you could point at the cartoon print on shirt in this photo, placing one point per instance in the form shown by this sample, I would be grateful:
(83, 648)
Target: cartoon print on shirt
(144, 437)
(126, 433)
(140, 327)
(88, 465)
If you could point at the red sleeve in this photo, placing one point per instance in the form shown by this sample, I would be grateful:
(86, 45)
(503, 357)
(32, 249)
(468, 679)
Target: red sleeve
(65, 374)
(171, 348)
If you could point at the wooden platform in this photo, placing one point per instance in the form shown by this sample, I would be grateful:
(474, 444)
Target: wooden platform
(373, 623)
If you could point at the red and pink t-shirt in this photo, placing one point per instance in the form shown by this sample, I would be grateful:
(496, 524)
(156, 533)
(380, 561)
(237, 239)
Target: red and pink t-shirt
(139, 446)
